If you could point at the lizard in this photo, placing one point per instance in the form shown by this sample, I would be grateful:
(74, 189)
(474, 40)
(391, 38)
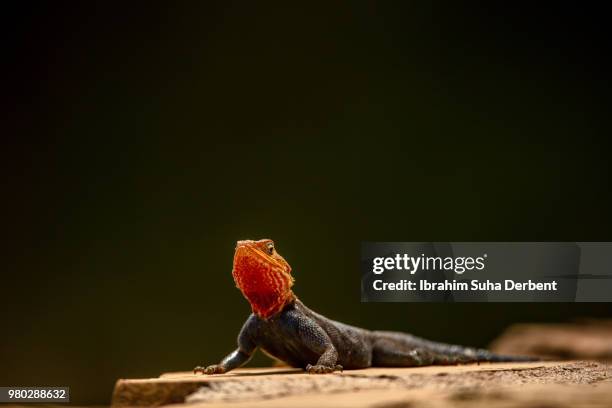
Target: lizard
(285, 329)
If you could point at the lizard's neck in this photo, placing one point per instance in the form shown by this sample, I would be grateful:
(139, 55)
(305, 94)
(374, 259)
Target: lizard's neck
(266, 307)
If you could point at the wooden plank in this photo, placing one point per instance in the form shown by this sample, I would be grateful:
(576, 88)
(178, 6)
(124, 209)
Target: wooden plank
(274, 386)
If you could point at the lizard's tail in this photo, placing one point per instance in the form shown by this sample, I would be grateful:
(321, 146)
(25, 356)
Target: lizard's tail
(486, 355)
(453, 353)
(401, 349)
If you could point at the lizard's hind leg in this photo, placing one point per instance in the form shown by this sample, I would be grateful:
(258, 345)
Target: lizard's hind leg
(393, 349)
(388, 352)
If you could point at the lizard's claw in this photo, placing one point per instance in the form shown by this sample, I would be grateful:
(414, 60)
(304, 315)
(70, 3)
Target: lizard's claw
(211, 369)
(321, 369)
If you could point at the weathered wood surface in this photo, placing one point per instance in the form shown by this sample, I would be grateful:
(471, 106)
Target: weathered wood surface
(505, 385)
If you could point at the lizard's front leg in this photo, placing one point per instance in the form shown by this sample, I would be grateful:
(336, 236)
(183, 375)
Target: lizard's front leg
(326, 363)
(235, 359)
(239, 357)
(316, 339)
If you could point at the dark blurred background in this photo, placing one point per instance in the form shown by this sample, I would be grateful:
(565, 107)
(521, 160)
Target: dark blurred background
(140, 141)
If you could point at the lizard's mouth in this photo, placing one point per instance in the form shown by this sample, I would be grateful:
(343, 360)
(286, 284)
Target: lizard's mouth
(243, 250)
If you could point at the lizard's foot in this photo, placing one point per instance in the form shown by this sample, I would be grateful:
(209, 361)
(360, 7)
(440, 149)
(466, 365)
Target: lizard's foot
(211, 369)
(321, 369)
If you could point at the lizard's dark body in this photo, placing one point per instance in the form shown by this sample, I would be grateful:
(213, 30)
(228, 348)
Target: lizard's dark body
(301, 338)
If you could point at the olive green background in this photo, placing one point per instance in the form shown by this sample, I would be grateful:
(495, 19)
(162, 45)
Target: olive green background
(140, 141)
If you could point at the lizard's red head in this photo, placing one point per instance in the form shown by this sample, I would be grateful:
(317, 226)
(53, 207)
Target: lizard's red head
(263, 276)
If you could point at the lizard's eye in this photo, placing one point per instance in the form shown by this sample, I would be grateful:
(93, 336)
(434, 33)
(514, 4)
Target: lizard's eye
(270, 248)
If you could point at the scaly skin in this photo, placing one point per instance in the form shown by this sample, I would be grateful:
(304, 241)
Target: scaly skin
(286, 329)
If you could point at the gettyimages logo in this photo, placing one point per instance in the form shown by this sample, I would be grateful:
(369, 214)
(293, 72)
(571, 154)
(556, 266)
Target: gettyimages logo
(412, 264)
